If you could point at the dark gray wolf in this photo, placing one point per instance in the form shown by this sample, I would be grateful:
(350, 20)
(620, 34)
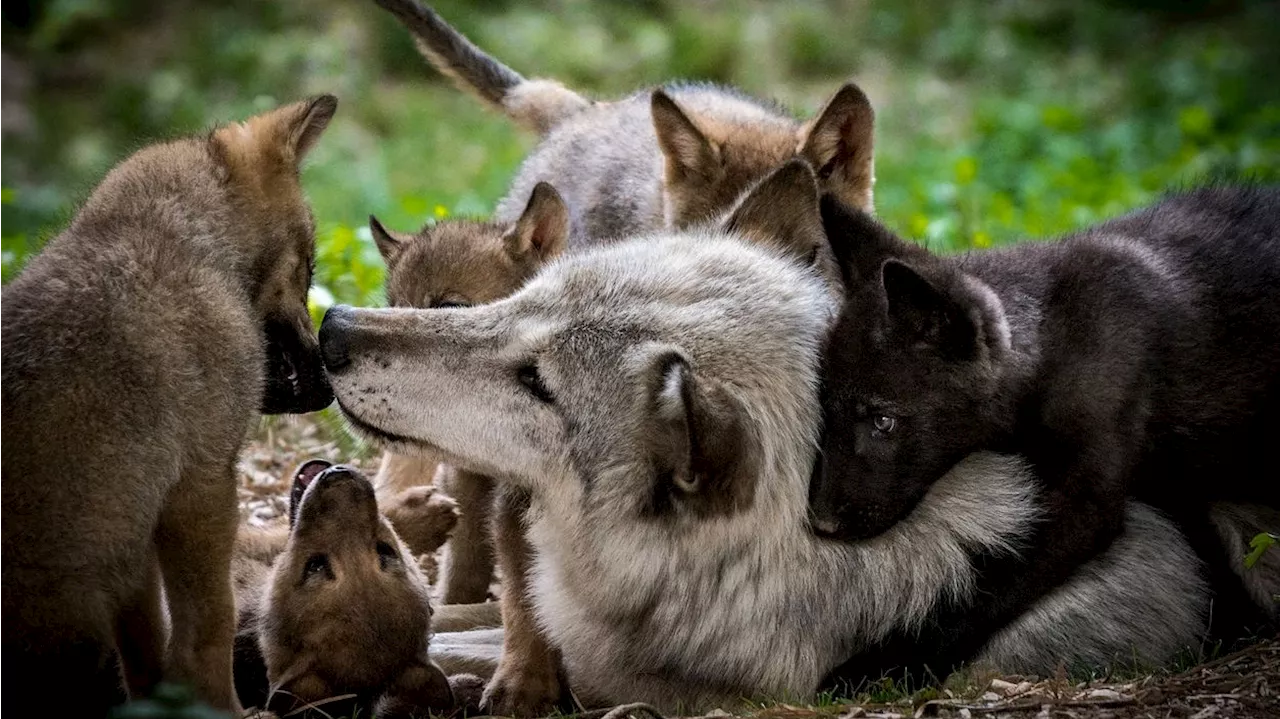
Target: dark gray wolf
(139, 347)
(1137, 358)
(658, 399)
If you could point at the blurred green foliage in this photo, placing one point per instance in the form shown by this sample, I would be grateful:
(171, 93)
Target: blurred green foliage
(997, 120)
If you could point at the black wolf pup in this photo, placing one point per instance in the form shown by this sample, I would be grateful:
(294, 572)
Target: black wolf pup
(1139, 357)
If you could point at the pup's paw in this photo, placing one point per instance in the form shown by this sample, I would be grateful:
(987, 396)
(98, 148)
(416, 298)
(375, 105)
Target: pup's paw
(423, 518)
(468, 693)
(531, 691)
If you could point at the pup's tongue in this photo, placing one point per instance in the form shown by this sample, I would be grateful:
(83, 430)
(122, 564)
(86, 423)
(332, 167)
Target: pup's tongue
(302, 478)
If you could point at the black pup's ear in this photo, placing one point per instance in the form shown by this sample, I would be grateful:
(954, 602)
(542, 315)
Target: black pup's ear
(927, 315)
(302, 478)
(860, 243)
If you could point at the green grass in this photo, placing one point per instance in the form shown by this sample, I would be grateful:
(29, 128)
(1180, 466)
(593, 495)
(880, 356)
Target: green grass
(997, 121)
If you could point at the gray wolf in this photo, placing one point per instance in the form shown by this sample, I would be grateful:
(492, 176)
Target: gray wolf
(139, 347)
(658, 399)
(334, 604)
(1139, 357)
(671, 157)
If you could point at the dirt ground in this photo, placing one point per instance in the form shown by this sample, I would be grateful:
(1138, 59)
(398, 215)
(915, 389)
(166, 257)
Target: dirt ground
(1242, 685)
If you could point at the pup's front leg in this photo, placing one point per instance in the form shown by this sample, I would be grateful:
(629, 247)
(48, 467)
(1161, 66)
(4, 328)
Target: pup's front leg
(529, 678)
(468, 564)
(194, 541)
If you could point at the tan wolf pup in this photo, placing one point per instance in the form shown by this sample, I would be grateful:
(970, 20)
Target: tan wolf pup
(668, 158)
(459, 263)
(139, 347)
(333, 608)
(456, 264)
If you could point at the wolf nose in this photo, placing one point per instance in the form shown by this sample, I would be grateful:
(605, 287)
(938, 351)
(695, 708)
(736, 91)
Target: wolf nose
(334, 348)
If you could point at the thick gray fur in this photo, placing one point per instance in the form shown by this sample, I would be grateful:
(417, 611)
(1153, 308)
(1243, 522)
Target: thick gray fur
(671, 602)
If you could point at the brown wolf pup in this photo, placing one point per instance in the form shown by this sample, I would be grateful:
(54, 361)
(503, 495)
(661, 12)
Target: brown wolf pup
(460, 263)
(333, 609)
(457, 264)
(665, 158)
(139, 347)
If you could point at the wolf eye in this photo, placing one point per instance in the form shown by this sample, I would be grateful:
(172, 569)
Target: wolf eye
(884, 424)
(532, 381)
(316, 564)
(387, 555)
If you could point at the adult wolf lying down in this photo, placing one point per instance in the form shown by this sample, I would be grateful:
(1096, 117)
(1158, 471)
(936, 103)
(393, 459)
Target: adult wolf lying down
(659, 400)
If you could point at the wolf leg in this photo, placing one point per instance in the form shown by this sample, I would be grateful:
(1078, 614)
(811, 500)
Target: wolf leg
(195, 540)
(528, 680)
(468, 566)
(140, 635)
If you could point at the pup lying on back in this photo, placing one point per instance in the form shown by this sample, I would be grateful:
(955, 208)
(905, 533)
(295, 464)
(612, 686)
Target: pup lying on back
(139, 346)
(668, 158)
(333, 610)
(658, 398)
(1140, 357)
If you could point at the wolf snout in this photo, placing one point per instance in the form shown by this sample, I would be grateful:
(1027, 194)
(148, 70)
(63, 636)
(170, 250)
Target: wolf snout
(335, 347)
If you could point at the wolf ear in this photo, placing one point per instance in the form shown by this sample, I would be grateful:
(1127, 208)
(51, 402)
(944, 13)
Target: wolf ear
(543, 228)
(782, 211)
(309, 120)
(689, 154)
(839, 143)
(859, 243)
(389, 244)
(283, 135)
(302, 478)
(927, 316)
(699, 443)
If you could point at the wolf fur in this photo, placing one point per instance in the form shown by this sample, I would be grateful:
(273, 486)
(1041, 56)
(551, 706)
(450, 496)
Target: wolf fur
(1133, 358)
(658, 398)
(463, 263)
(664, 158)
(781, 211)
(139, 347)
(334, 604)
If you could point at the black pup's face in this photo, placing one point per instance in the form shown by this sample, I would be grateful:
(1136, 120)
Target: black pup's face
(296, 382)
(906, 380)
(896, 418)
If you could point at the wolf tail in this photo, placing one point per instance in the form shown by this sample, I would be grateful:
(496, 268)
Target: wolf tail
(538, 105)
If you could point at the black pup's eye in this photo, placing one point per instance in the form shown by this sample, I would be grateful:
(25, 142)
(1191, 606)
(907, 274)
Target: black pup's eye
(529, 377)
(446, 304)
(883, 423)
(387, 555)
(316, 564)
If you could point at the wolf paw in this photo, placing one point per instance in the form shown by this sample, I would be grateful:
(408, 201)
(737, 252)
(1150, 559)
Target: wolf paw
(423, 518)
(529, 692)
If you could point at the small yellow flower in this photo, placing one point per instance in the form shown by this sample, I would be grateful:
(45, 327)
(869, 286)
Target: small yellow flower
(441, 212)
